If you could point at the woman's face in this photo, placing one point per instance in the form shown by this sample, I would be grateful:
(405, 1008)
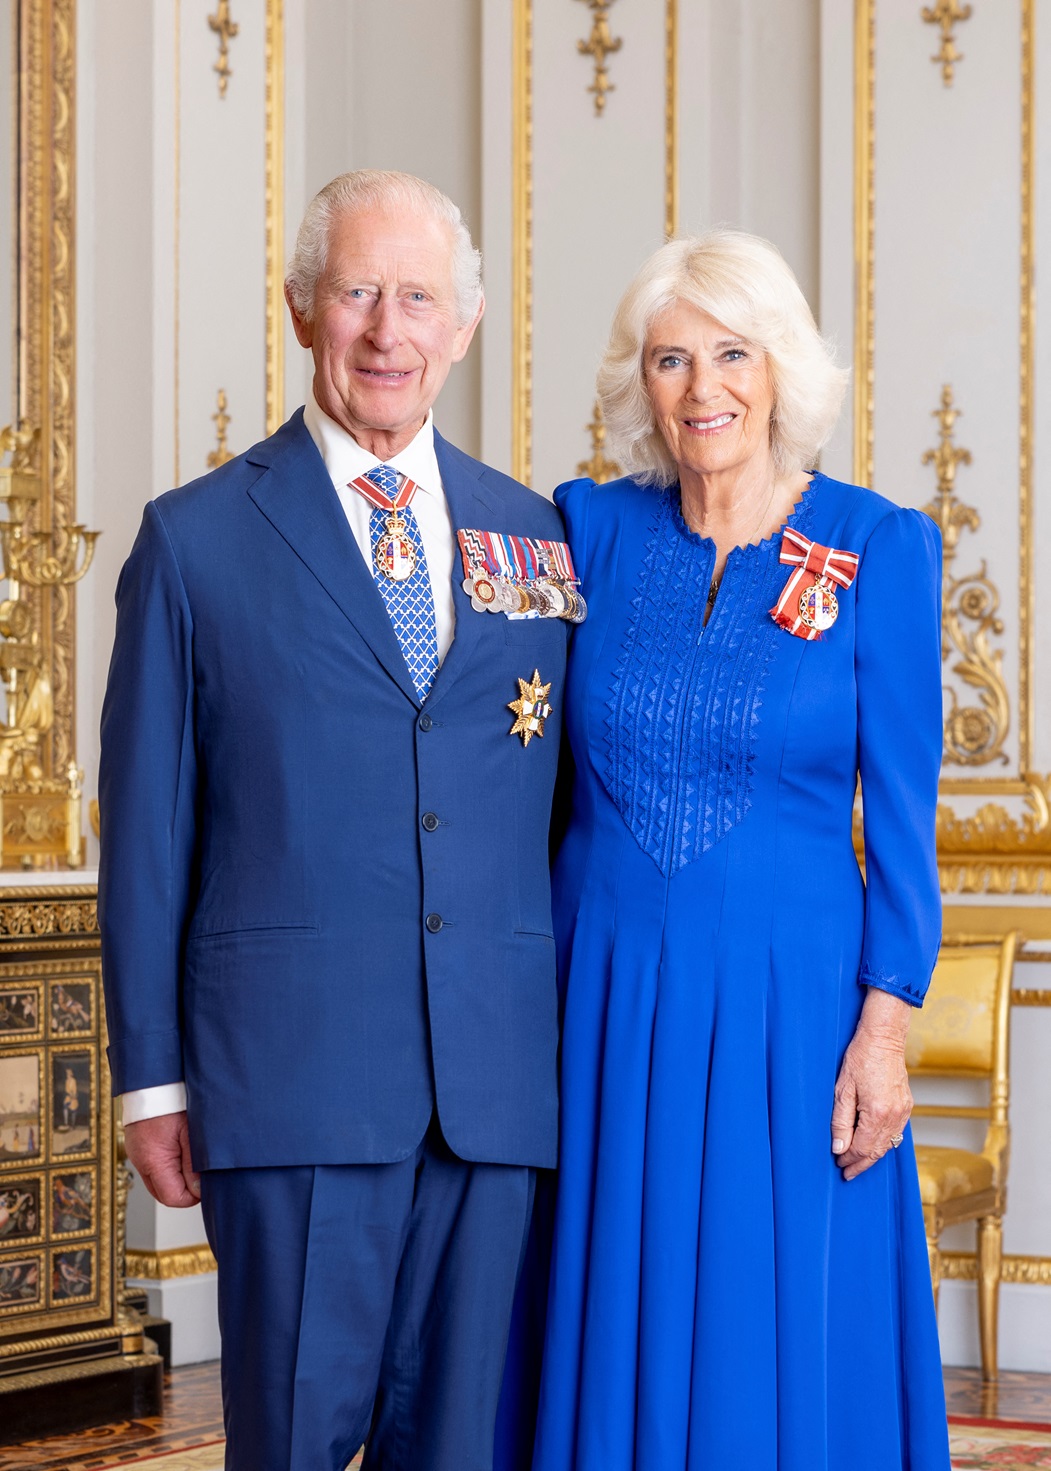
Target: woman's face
(711, 392)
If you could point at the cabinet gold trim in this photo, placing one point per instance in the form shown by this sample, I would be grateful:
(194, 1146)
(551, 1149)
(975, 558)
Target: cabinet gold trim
(946, 14)
(161, 1266)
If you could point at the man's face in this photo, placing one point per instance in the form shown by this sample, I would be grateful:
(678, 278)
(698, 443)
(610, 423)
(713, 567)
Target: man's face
(384, 331)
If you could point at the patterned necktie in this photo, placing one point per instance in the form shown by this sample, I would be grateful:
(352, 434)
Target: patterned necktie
(410, 602)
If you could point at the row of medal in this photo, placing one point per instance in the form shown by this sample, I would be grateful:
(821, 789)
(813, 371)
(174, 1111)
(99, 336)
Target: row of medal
(520, 576)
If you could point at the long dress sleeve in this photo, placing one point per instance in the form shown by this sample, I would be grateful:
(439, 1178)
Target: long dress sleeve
(898, 672)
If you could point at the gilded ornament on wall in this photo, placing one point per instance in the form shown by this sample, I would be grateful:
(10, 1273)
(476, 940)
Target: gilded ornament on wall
(598, 467)
(600, 44)
(974, 733)
(946, 14)
(226, 29)
(221, 419)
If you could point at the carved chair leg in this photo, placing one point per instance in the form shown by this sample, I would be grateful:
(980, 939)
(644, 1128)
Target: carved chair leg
(934, 1256)
(990, 1250)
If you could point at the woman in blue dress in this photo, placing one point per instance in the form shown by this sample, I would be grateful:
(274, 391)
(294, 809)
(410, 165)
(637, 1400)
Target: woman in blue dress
(738, 1273)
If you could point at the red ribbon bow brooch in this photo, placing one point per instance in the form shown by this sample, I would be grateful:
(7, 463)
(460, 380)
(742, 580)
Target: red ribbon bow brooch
(808, 608)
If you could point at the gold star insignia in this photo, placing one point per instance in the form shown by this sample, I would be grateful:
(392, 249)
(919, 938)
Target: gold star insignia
(531, 708)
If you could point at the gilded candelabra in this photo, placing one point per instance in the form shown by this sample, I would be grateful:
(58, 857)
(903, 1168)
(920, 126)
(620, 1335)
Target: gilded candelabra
(39, 812)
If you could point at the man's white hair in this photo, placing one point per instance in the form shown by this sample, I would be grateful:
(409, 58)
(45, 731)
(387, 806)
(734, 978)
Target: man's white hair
(383, 189)
(746, 285)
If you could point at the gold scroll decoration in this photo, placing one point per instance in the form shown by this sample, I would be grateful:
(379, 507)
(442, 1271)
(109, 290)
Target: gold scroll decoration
(946, 14)
(226, 29)
(600, 44)
(598, 467)
(974, 734)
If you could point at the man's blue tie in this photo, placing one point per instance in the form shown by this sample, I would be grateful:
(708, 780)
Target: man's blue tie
(410, 603)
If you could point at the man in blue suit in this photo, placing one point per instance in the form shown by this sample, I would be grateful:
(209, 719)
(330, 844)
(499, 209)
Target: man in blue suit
(324, 887)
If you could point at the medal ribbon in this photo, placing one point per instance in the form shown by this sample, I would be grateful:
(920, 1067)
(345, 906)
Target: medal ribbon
(516, 558)
(406, 490)
(825, 564)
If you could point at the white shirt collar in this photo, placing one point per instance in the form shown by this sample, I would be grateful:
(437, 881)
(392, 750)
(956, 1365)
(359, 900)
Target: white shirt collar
(345, 459)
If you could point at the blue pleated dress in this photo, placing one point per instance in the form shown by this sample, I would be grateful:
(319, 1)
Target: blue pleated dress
(719, 1297)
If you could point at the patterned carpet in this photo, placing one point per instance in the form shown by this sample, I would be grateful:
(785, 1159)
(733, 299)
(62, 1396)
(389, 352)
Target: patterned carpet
(974, 1448)
(979, 1445)
(1001, 1428)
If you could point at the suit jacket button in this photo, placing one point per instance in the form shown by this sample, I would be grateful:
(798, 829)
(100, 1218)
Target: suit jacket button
(429, 821)
(425, 722)
(433, 923)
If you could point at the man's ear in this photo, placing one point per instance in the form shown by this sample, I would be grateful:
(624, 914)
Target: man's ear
(464, 334)
(304, 330)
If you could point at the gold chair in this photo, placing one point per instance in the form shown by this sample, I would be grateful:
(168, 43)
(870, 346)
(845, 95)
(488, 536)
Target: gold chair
(962, 1031)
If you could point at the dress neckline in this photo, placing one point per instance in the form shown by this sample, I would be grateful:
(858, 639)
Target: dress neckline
(798, 518)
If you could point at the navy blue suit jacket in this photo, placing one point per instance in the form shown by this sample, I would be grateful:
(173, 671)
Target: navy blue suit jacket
(280, 928)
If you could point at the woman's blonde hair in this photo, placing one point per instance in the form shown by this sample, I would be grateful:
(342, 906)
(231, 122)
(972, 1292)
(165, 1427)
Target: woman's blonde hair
(746, 285)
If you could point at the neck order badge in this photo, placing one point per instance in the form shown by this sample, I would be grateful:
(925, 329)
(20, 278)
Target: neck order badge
(383, 487)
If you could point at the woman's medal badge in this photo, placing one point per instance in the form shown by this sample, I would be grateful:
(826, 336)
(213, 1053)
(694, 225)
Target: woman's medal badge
(808, 605)
(520, 576)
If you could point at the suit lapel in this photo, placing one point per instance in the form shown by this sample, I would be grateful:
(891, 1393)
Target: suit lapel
(297, 497)
(471, 504)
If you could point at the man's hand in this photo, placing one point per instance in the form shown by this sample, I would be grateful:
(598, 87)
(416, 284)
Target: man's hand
(160, 1151)
(872, 1098)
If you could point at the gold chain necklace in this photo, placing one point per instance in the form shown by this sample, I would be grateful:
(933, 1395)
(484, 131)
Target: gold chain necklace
(713, 587)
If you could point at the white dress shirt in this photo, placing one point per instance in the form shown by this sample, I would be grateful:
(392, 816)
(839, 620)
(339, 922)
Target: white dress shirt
(345, 460)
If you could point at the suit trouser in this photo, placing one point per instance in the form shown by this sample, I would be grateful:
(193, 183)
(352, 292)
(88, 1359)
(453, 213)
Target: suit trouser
(366, 1301)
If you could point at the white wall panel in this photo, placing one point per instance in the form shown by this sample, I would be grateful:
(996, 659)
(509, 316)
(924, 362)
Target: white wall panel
(221, 258)
(946, 250)
(598, 211)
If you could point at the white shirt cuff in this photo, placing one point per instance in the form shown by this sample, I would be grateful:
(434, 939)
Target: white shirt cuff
(150, 1103)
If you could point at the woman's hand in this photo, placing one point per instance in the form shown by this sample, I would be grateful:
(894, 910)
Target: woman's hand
(872, 1098)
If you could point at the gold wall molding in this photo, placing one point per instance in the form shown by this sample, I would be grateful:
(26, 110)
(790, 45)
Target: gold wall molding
(162, 1266)
(864, 237)
(962, 1266)
(226, 29)
(671, 118)
(522, 242)
(974, 734)
(221, 419)
(1025, 997)
(599, 467)
(946, 14)
(275, 214)
(46, 318)
(600, 44)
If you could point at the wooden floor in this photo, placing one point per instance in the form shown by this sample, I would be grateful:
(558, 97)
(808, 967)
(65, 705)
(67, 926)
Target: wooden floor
(193, 1416)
